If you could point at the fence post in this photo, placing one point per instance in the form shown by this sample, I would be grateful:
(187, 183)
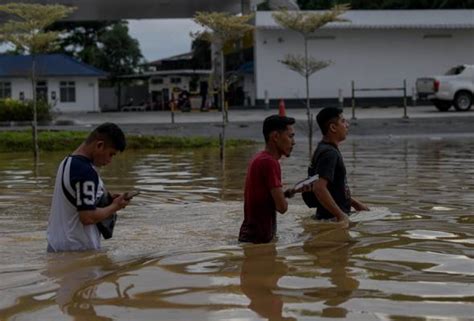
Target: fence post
(353, 100)
(405, 116)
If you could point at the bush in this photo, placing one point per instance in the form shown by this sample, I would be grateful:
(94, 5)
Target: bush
(15, 110)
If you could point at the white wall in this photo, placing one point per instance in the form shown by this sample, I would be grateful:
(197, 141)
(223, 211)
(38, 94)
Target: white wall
(372, 58)
(87, 93)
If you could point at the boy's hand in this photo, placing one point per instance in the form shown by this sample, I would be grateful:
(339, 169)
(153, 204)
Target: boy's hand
(289, 193)
(358, 206)
(120, 201)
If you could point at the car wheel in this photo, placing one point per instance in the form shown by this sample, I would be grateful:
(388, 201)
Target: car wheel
(463, 101)
(442, 105)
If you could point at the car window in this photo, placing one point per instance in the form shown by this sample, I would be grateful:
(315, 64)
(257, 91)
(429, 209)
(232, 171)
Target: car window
(455, 71)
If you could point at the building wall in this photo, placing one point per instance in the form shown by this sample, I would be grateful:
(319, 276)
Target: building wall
(372, 58)
(87, 93)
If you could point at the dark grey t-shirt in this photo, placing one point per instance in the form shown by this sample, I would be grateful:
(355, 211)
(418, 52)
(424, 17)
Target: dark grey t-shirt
(328, 163)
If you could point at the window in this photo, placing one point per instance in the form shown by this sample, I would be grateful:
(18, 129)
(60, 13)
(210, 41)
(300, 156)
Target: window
(5, 89)
(175, 80)
(67, 91)
(455, 71)
(42, 90)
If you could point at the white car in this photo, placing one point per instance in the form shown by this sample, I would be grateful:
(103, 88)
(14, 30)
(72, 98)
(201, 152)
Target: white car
(456, 88)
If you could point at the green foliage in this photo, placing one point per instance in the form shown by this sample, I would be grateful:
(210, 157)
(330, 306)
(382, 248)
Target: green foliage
(263, 6)
(25, 30)
(201, 54)
(221, 27)
(106, 45)
(120, 54)
(388, 4)
(15, 110)
(69, 140)
(307, 23)
(153, 142)
(82, 39)
(304, 67)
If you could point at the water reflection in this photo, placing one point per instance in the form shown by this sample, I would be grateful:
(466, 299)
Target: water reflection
(259, 276)
(330, 247)
(175, 253)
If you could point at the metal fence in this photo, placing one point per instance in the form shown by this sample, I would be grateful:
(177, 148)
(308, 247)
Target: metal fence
(402, 89)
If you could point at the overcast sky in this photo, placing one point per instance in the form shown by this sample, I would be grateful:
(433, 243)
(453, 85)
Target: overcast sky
(162, 38)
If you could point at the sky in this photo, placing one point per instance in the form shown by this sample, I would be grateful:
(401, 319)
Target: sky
(162, 38)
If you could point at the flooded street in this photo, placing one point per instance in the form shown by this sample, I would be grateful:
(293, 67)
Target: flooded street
(175, 255)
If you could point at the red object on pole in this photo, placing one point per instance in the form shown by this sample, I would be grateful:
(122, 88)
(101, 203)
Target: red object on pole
(281, 108)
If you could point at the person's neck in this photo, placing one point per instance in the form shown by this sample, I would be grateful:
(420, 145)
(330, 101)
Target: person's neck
(83, 150)
(331, 140)
(272, 151)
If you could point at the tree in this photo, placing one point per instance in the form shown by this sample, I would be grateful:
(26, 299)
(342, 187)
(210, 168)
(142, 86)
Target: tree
(306, 23)
(106, 45)
(201, 54)
(26, 30)
(220, 28)
(82, 39)
(120, 53)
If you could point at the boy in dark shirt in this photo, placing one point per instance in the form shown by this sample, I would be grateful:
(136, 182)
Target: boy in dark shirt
(331, 189)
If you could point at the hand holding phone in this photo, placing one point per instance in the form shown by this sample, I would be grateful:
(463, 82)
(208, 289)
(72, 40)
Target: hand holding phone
(129, 195)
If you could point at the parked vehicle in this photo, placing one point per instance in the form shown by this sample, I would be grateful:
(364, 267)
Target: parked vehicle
(456, 88)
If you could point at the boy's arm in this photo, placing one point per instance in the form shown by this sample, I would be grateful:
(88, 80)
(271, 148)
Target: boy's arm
(279, 198)
(322, 194)
(88, 217)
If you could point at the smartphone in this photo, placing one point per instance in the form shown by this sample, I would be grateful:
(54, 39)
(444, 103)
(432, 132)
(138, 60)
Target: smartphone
(130, 195)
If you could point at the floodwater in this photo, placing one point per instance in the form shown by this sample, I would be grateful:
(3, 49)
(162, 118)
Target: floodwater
(174, 254)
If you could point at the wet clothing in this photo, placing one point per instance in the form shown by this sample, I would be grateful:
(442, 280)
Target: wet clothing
(263, 175)
(328, 163)
(78, 187)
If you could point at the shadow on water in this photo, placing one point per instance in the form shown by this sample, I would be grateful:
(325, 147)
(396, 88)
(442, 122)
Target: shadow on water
(175, 256)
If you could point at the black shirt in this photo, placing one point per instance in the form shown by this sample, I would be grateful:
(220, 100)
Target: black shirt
(328, 163)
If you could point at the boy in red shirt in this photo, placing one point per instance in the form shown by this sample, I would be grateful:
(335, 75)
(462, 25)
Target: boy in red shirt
(263, 188)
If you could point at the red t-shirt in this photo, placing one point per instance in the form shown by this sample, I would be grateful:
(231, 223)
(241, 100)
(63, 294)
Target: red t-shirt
(263, 175)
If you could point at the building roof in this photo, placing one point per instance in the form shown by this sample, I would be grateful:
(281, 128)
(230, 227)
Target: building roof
(54, 65)
(389, 19)
(183, 56)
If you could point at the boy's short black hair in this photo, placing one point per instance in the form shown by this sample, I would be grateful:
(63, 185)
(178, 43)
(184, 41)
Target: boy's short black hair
(111, 134)
(326, 116)
(275, 123)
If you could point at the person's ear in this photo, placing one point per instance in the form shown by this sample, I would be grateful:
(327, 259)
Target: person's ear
(332, 127)
(100, 144)
(274, 135)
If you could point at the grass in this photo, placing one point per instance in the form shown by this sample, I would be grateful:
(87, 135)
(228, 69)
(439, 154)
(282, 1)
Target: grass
(19, 141)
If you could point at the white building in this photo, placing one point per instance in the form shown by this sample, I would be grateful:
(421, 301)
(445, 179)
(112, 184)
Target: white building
(67, 84)
(376, 49)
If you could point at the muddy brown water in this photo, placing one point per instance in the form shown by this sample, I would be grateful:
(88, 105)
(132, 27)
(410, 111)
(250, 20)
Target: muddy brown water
(174, 255)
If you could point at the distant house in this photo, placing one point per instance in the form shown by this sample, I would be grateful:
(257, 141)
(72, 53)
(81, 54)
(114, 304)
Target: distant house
(67, 84)
(375, 49)
(176, 73)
